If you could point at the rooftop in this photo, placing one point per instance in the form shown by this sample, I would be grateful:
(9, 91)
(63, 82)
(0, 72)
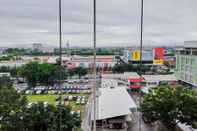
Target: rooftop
(190, 44)
(114, 102)
(123, 76)
(153, 78)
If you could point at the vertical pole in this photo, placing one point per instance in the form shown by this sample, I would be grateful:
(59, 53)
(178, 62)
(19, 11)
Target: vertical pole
(94, 88)
(141, 34)
(141, 46)
(60, 64)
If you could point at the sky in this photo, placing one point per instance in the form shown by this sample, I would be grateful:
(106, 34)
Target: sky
(166, 22)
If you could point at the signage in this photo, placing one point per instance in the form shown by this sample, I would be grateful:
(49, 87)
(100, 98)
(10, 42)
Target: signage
(158, 62)
(136, 55)
(158, 58)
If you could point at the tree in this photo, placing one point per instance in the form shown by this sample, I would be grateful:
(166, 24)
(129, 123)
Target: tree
(38, 73)
(170, 105)
(17, 115)
(11, 104)
(80, 71)
(5, 81)
(69, 120)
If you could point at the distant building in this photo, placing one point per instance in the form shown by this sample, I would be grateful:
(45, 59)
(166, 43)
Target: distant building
(153, 56)
(132, 78)
(2, 49)
(37, 46)
(186, 63)
(103, 62)
(151, 81)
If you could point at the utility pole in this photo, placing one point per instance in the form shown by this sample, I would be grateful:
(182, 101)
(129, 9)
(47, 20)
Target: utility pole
(141, 46)
(60, 64)
(94, 70)
(68, 48)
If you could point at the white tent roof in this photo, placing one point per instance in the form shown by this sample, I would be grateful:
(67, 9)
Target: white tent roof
(113, 102)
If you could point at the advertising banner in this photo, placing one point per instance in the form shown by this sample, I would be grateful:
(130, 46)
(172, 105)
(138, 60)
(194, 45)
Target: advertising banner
(158, 58)
(147, 55)
(136, 55)
(127, 55)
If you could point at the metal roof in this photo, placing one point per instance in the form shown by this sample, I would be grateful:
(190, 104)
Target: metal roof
(113, 102)
(157, 78)
(190, 44)
(123, 76)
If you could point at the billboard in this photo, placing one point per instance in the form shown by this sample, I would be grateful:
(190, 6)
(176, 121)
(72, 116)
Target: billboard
(146, 55)
(127, 55)
(136, 55)
(158, 56)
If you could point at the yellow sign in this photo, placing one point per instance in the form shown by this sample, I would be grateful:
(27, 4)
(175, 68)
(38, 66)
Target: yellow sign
(158, 62)
(136, 55)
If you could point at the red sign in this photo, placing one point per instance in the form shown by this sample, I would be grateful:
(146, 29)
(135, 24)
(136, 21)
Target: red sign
(158, 54)
(135, 82)
(135, 87)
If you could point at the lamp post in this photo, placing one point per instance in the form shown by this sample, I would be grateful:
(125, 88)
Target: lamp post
(94, 70)
(60, 64)
(141, 46)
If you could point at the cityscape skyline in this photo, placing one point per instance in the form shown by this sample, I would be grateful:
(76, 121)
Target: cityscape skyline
(118, 22)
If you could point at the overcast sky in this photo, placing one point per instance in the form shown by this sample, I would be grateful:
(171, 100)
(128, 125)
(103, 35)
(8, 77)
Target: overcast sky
(23, 22)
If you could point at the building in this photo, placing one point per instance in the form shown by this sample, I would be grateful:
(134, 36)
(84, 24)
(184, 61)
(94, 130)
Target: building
(3, 49)
(37, 46)
(186, 63)
(132, 78)
(103, 62)
(151, 81)
(153, 56)
(133, 56)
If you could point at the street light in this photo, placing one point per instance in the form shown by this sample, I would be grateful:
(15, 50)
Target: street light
(60, 63)
(94, 88)
(141, 46)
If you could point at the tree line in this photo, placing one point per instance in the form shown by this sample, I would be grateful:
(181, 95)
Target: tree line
(44, 74)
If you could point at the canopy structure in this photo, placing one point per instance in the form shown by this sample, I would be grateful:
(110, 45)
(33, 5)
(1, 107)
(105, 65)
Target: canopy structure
(114, 102)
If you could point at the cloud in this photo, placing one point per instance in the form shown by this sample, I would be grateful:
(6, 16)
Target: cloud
(118, 22)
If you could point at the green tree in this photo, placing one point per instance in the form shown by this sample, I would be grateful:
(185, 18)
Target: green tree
(11, 104)
(36, 73)
(80, 71)
(170, 105)
(16, 115)
(5, 81)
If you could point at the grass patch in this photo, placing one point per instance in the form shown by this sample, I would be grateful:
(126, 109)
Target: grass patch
(42, 98)
(51, 100)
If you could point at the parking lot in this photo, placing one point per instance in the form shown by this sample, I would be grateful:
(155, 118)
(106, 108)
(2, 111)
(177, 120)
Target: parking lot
(75, 93)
